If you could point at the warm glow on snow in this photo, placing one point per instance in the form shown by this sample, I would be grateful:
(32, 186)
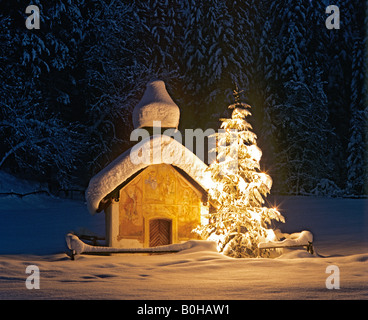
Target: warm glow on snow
(255, 152)
(255, 215)
(207, 180)
(242, 185)
(270, 235)
(266, 179)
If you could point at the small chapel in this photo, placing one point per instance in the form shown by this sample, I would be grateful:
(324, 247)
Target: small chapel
(157, 199)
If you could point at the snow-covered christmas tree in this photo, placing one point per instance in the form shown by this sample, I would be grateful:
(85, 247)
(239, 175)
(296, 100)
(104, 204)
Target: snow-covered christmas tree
(238, 190)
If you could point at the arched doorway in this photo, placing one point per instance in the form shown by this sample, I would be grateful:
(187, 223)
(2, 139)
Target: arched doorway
(159, 232)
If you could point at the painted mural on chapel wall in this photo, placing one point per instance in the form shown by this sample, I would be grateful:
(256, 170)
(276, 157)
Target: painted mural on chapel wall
(158, 192)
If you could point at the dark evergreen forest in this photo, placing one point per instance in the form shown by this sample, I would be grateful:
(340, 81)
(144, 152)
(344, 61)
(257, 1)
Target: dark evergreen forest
(68, 89)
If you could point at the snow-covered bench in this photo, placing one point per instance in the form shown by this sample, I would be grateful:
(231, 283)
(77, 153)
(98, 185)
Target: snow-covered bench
(77, 246)
(299, 239)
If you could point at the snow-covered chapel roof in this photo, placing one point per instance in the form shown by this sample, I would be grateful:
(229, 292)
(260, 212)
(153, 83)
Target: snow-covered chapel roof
(156, 105)
(153, 150)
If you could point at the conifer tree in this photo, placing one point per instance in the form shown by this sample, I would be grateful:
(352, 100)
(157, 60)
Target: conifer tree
(215, 54)
(238, 190)
(356, 160)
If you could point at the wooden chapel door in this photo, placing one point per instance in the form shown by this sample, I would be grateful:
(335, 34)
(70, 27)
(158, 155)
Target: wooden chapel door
(159, 232)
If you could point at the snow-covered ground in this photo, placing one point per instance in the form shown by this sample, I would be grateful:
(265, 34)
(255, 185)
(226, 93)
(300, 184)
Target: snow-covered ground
(33, 229)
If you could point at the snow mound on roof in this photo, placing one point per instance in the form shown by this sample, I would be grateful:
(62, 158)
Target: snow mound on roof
(153, 150)
(156, 105)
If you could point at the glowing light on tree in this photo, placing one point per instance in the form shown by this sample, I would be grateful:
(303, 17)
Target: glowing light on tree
(238, 189)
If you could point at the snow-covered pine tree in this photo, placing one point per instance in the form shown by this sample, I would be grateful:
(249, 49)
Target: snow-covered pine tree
(115, 77)
(160, 23)
(216, 52)
(281, 58)
(295, 104)
(267, 62)
(365, 86)
(303, 128)
(39, 135)
(338, 72)
(240, 221)
(356, 161)
(357, 155)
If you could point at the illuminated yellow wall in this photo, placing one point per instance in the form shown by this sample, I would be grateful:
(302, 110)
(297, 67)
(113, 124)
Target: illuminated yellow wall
(158, 192)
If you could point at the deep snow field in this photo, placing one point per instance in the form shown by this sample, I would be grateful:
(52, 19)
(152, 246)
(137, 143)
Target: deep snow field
(33, 229)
